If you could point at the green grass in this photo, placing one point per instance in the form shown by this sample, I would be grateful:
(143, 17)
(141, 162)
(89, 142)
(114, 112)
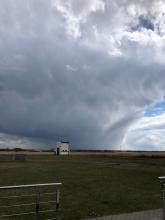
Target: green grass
(92, 185)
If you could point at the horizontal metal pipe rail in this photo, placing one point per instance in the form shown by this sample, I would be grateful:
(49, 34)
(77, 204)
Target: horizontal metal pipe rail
(162, 184)
(35, 197)
(31, 185)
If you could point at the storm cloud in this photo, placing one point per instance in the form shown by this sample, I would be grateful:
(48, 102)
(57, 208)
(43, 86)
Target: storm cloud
(78, 70)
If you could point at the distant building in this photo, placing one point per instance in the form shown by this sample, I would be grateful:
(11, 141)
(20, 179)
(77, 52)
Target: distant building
(62, 148)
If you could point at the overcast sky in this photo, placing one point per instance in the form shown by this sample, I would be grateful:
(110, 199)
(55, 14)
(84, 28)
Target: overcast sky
(91, 72)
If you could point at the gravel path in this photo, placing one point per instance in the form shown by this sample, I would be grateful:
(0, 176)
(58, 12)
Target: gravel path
(145, 215)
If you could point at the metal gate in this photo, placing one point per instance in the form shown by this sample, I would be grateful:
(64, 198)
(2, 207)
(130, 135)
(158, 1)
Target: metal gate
(35, 201)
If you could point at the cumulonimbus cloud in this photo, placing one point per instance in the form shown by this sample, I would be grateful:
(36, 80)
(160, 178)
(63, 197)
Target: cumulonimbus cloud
(79, 70)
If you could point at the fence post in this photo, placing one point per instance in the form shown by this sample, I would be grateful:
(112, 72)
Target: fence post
(37, 203)
(57, 201)
(57, 198)
(162, 183)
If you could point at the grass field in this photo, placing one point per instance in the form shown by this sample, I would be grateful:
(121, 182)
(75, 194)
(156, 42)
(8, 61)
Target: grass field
(92, 185)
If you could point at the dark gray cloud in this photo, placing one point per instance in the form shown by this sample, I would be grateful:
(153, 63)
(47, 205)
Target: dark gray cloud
(64, 73)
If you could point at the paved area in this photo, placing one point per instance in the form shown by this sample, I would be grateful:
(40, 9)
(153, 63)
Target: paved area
(145, 215)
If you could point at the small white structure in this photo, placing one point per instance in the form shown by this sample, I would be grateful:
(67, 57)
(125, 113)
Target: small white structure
(62, 148)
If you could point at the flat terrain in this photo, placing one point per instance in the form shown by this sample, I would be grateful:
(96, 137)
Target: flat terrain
(150, 154)
(93, 185)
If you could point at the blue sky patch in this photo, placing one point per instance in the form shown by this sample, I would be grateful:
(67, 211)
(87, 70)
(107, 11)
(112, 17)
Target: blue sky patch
(143, 22)
(157, 109)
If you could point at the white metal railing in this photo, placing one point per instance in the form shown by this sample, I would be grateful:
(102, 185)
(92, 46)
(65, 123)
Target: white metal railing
(162, 183)
(34, 201)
